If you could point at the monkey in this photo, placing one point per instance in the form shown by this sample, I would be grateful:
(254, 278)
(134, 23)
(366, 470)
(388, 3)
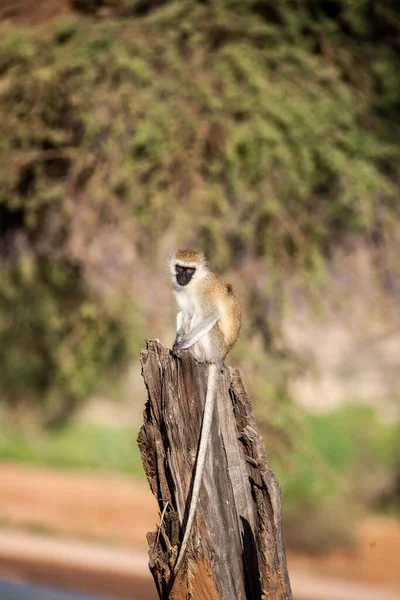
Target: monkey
(208, 324)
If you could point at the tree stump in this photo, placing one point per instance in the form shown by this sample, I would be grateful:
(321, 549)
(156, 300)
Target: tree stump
(236, 549)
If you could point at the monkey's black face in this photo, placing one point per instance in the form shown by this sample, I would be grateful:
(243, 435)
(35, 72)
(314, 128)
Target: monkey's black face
(184, 274)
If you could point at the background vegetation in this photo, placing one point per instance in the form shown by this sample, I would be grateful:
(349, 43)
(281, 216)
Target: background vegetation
(266, 134)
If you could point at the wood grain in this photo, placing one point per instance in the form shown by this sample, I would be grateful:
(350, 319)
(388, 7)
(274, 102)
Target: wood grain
(236, 549)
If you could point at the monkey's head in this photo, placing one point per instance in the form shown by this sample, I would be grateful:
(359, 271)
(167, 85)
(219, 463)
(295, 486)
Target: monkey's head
(185, 265)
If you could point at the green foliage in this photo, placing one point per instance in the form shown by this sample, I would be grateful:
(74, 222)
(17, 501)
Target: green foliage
(354, 434)
(79, 446)
(273, 127)
(336, 463)
(342, 445)
(56, 338)
(234, 117)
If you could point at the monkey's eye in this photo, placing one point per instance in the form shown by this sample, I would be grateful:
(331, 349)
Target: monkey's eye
(179, 269)
(190, 270)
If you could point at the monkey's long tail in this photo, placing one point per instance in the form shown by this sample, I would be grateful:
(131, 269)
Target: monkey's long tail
(201, 456)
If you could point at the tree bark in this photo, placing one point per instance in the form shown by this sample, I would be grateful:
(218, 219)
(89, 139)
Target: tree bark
(236, 550)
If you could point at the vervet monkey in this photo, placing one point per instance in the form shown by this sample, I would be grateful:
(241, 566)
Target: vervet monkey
(208, 323)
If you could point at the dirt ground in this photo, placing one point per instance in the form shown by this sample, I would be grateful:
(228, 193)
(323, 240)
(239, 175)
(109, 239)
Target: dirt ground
(118, 512)
(85, 505)
(375, 559)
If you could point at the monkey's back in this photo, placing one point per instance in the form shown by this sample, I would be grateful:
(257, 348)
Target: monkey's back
(230, 321)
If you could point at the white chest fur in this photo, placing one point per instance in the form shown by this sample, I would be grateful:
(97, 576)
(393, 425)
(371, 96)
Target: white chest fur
(186, 303)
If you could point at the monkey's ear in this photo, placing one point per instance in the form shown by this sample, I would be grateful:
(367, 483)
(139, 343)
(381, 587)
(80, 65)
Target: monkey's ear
(171, 264)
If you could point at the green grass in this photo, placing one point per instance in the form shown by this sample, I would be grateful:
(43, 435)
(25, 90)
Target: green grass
(80, 446)
(333, 469)
(326, 448)
(354, 434)
(334, 453)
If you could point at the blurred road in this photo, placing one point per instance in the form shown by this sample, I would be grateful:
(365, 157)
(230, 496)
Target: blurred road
(11, 590)
(101, 571)
(74, 565)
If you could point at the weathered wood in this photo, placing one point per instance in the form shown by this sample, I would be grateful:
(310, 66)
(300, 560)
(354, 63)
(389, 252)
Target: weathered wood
(237, 550)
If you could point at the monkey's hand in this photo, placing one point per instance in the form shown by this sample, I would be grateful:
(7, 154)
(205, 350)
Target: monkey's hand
(177, 348)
